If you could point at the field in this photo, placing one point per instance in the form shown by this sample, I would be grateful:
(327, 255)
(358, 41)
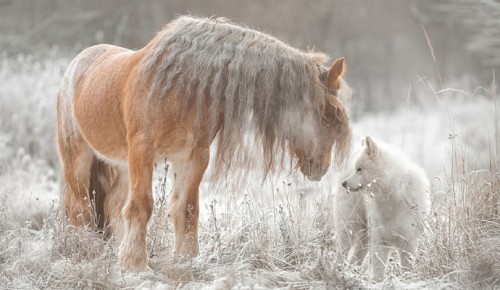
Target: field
(254, 235)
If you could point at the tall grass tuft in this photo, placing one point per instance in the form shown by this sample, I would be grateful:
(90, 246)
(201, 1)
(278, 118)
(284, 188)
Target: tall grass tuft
(462, 243)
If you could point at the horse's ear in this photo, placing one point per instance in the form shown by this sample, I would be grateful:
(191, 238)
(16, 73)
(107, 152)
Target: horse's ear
(334, 74)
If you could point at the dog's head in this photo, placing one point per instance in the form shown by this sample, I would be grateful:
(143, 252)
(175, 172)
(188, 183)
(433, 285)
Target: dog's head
(367, 166)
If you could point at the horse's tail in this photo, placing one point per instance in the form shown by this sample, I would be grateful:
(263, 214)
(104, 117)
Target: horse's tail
(102, 179)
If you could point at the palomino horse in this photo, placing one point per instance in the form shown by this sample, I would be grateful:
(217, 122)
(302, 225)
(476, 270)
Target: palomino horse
(199, 80)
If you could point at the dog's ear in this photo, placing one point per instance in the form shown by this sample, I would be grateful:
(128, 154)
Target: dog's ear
(371, 147)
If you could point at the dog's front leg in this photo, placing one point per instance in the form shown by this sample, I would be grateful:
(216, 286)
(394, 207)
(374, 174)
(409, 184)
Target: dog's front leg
(378, 259)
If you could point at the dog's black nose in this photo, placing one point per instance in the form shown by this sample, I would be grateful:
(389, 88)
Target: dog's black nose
(344, 184)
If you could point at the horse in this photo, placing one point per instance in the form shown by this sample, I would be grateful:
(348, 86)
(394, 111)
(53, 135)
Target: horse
(198, 81)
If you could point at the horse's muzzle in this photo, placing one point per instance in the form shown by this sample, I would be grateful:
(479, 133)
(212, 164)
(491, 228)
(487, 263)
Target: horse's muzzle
(314, 173)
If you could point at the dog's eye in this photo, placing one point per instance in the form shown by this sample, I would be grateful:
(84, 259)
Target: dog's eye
(359, 169)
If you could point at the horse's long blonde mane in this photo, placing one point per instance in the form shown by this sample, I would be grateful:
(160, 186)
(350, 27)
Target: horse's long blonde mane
(242, 77)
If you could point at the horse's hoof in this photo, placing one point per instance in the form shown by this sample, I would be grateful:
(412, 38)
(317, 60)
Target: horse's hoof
(128, 266)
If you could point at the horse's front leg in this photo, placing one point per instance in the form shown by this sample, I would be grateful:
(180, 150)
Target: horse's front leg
(183, 209)
(138, 208)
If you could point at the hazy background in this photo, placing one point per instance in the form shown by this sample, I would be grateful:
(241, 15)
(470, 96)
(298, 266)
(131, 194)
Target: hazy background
(384, 41)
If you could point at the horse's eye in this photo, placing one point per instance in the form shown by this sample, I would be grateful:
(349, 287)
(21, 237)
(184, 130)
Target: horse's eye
(359, 169)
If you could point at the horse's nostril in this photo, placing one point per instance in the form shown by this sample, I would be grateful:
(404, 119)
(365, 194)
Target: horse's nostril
(344, 184)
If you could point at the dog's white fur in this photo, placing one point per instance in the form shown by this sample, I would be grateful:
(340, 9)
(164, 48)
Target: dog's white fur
(381, 203)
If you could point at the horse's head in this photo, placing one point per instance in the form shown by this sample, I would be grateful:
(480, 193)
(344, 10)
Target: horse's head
(333, 127)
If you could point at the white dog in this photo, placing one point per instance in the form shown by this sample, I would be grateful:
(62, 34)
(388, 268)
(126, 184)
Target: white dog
(381, 206)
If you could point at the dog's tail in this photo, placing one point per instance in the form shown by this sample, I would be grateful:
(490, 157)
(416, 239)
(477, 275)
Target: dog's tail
(102, 178)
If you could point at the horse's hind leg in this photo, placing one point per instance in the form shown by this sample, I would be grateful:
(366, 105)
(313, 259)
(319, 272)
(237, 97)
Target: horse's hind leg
(183, 209)
(76, 160)
(114, 201)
